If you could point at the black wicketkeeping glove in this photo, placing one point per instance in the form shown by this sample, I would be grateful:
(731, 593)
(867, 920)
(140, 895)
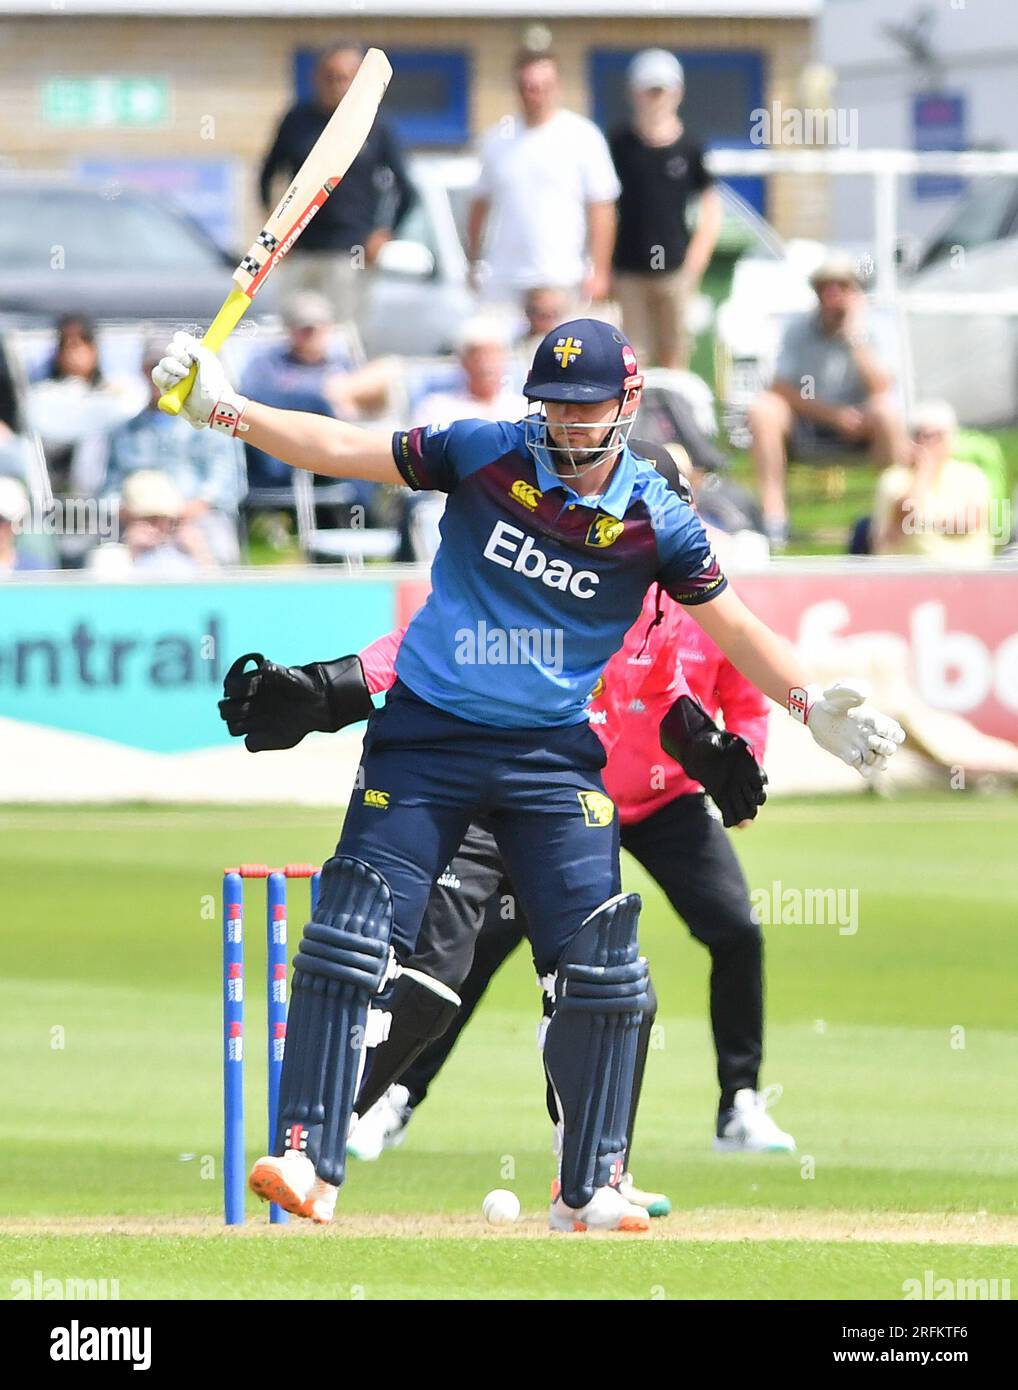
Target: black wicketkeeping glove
(721, 762)
(275, 706)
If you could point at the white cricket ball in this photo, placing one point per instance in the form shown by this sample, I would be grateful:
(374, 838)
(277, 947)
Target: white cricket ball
(501, 1208)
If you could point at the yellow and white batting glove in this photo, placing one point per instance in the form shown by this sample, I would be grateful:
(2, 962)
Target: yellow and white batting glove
(843, 725)
(212, 401)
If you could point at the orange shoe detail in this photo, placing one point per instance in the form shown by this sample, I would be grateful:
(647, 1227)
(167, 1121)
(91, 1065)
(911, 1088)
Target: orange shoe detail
(267, 1182)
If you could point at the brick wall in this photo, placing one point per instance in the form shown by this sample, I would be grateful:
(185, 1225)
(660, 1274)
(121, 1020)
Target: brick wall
(239, 73)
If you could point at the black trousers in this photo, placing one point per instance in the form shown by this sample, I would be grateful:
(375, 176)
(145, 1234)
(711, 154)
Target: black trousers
(687, 851)
(473, 923)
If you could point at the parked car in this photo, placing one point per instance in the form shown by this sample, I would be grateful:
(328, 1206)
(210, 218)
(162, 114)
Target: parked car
(67, 245)
(969, 358)
(420, 295)
(966, 356)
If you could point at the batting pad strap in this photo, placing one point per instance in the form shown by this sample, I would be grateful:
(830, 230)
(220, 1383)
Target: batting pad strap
(376, 1030)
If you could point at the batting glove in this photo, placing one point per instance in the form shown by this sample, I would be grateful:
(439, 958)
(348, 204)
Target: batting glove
(843, 725)
(212, 401)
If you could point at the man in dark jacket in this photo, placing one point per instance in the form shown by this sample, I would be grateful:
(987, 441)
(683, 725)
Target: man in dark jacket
(338, 248)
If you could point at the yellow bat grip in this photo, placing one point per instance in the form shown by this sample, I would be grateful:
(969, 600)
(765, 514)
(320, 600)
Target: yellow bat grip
(231, 313)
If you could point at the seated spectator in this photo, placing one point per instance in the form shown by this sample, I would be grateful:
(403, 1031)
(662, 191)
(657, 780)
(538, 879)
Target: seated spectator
(294, 375)
(205, 467)
(309, 372)
(486, 392)
(831, 391)
(156, 541)
(935, 506)
(73, 407)
(14, 509)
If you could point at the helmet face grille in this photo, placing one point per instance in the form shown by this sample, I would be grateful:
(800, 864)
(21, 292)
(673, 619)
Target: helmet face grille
(573, 460)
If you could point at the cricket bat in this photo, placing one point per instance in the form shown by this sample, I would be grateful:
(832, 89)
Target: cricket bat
(334, 151)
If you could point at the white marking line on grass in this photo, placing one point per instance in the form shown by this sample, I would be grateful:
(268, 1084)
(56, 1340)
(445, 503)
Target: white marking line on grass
(702, 1224)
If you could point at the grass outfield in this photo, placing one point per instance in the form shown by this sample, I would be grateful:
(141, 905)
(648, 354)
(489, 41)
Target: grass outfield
(896, 1045)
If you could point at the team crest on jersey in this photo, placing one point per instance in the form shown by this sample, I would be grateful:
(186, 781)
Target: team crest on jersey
(379, 799)
(598, 809)
(566, 349)
(598, 690)
(604, 530)
(526, 493)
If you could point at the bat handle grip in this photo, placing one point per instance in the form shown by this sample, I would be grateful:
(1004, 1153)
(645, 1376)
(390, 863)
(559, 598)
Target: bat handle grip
(232, 311)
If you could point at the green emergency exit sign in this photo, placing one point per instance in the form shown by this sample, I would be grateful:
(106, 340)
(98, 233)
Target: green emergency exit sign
(106, 101)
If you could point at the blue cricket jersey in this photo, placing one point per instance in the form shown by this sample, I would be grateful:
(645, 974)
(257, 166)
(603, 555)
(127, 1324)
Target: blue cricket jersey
(533, 586)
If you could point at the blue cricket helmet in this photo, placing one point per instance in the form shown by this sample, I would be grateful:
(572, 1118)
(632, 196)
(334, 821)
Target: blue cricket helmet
(582, 360)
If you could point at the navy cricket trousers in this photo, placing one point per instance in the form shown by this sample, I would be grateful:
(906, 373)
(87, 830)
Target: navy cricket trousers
(425, 774)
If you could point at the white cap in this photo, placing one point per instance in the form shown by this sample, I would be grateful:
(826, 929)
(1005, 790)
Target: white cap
(838, 268)
(483, 330)
(149, 493)
(655, 67)
(308, 309)
(13, 501)
(933, 415)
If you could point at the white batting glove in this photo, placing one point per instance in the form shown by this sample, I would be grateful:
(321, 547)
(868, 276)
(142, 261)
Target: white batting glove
(843, 725)
(212, 400)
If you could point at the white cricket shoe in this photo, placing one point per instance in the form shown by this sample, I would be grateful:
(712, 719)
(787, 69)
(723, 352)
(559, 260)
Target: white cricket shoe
(653, 1203)
(747, 1127)
(607, 1210)
(290, 1182)
(321, 1204)
(383, 1127)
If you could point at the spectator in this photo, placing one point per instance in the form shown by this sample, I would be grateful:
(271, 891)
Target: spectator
(543, 209)
(831, 391)
(338, 248)
(485, 392)
(206, 468)
(293, 375)
(15, 450)
(73, 406)
(308, 372)
(156, 540)
(544, 306)
(658, 265)
(936, 505)
(14, 509)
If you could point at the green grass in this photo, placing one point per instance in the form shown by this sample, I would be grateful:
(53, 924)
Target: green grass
(896, 1045)
(821, 522)
(385, 1267)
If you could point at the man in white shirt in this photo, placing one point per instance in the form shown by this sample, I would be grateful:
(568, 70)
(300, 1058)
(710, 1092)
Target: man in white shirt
(543, 211)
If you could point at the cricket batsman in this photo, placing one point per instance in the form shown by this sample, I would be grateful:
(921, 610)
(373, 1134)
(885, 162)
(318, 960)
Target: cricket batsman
(554, 525)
